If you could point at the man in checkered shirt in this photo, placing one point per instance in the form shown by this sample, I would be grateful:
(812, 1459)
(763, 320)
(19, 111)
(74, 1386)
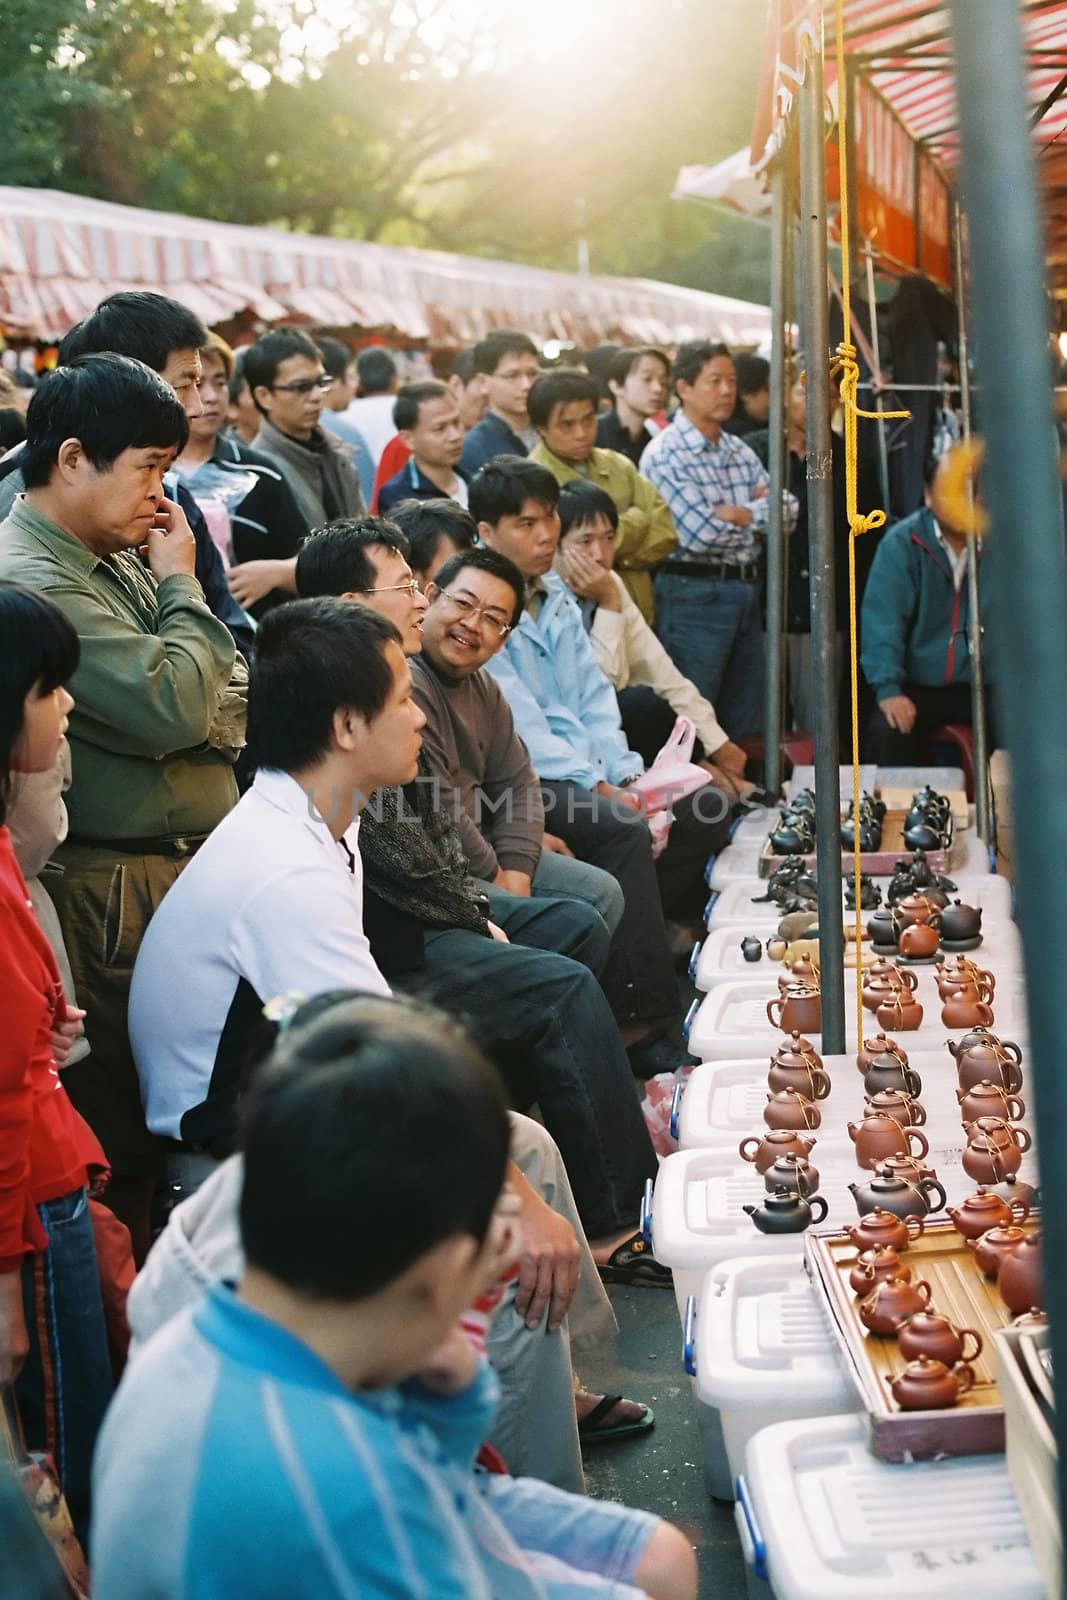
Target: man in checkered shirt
(708, 593)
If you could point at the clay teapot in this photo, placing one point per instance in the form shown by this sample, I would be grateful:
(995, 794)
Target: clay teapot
(875, 1266)
(1014, 1189)
(919, 942)
(763, 1153)
(1020, 1279)
(786, 1211)
(1003, 1134)
(890, 1303)
(806, 968)
(903, 1197)
(930, 1334)
(900, 1013)
(885, 1066)
(966, 1009)
(982, 1055)
(988, 1160)
(788, 1108)
(994, 1245)
(895, 1103)
(881, 986)
(911, 1168)
(959, 973)
(880, 929)
(927, 1385)
(959, 922)
(913, 910)
(1034, 1318)
(880, 1227)
(792, 1172)
(982, 1210)
(810, 1080)
(989, 1100)
(880, 1135)
(800, 1009)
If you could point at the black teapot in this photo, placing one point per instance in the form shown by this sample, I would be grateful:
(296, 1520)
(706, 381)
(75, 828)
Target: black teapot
(959, 921)
(904, 1197)
(786, 1211)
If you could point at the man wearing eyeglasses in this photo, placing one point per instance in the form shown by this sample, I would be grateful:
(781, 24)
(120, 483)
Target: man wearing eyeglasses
(288, 383)
(507, 366)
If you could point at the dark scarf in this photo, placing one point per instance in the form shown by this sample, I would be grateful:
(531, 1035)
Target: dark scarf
(413, 859)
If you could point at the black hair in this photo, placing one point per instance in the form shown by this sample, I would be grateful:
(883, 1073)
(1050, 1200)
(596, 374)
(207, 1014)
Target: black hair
(108, 403)
(12, 428)
(692, 357)
(560, 388)
(336, 357)
(753, 373)
(41, 650)
(263, 358)
(372, 1100)
(314, 657)
(504, 485)
(334, 560)
(135, 322)
(580, 502)
(23, 379)
(412, 395)
(424, 523)
(463, 366)
(624, 361)
(598, 361)
(238, 380)
(377, 370)
(497, 566)
(490, 351)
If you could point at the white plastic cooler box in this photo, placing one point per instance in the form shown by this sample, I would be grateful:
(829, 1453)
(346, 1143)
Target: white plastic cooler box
(738, 902)
(820, 1519)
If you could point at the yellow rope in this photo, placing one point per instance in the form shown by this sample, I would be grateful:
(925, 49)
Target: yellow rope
(846, 368)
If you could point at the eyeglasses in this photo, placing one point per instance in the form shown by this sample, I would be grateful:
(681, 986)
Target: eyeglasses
(411, 588)
(304, 385)
(471, 611)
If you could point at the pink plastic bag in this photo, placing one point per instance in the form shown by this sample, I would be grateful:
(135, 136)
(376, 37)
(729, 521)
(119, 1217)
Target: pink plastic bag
(673, 773)
(656, 1106)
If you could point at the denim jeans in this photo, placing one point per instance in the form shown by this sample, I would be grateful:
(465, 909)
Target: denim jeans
(571, 879)
(712, 630)
(66, 1384)
(568, 927)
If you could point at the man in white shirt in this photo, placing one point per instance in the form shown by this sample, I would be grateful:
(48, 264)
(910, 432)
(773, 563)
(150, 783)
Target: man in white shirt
(372, 410)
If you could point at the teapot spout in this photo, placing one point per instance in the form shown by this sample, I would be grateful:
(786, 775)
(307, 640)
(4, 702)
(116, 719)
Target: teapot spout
(952, 1047)
(853, 1130)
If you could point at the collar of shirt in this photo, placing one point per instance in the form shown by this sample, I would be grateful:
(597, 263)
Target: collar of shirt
(536, 593)
(62, 546)
(690, 435)
(957, 559)
(281, 790)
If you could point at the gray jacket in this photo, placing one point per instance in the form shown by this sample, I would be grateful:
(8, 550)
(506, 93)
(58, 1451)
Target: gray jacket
(320, 474)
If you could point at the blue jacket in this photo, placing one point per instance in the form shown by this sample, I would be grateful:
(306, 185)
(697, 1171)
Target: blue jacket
(487, 439)
(409, 484)
(564, 707)
(914, 619)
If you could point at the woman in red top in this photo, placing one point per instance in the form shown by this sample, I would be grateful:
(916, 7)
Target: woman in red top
(53, 1342)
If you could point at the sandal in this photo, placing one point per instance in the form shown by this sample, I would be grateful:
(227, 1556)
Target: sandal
(591, 1428)
(633, 1262)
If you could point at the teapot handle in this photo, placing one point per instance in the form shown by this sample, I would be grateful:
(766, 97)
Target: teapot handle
(931, 1183)
(818, 1200)
(913, 1133)
(820, 1083)
(1016, 1107)
(1013, 1050)
(752, 1140)
(970, 1333)
(1019, 1135)
(918, 1114)
(913, 1084)
(915, 1227)
(923, 1290)
(1020, 1210)
(965, 1376)
(775, 1021)
(985, 1013)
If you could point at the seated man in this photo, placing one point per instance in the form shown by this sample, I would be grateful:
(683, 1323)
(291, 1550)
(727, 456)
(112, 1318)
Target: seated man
(427, 420)
(915, 650)
(316, 1428)
(563, 408)
(434, 530)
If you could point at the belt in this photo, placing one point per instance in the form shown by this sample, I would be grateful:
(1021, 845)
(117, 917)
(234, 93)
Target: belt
(185, 845)
(744, 572)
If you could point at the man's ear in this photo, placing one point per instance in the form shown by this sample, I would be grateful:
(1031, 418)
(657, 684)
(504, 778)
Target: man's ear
(69, 457)
(348, 728)
(485, 533)
(407, 437)
(261, 394)
(431, 592)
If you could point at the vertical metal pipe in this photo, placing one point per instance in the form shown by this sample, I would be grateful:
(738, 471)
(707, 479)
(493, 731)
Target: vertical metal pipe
(821, 553)
(776, 464)
(876, 351)
(1025, 551)
(979, 722)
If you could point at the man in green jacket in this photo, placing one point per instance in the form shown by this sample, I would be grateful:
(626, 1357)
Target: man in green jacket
(563, 409)
(158, 719)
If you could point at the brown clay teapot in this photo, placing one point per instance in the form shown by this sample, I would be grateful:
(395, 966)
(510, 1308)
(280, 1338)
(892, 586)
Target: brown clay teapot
(880, 1227)
(965, 1009)
(989, 1100)
(987, 1160)
(895, 1103)
(919, 942)
(879, 1135)
(788, 1108)
(914, 910)
(891, 1303)
(994, 1245)
(807, 969)
(881, 1051)
(800, 1009)
(960, 973)
(913, 1169)
(980, 1055)
(979, 1212)
(904, 1197)
(875, 1266)
(763, 1153)
(901, 1013)
(1003, 1134)
(927, 1385)
(878, 986)
(792, 1172)
(796, 1052)
(1021, 1278)
(811, 1081)
(930, 1334)
(885, 1066)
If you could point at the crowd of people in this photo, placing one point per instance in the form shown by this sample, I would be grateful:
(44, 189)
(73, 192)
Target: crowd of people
(341, 921)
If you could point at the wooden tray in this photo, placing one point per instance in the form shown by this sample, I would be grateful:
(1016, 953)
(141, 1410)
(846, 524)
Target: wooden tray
(878, 863)
(975, 1425)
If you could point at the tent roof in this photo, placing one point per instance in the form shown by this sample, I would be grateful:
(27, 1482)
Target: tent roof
(60, 254)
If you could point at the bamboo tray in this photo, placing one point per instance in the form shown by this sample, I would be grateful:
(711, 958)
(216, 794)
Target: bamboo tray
(878, 863)
(975, 1425)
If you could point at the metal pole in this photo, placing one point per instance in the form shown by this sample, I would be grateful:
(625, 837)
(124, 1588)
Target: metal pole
(876, 351)
(1025, 552)
(776, 464)
(979, 722)
(821, 554)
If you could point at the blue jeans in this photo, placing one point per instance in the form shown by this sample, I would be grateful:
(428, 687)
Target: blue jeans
(64, 1388)
(571, 879)
(712, 630)
(564, 1534)
(569, 927)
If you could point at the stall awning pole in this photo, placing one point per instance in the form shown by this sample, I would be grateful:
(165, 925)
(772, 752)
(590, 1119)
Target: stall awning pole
(776, 464)
(1025, 550)
(821, 550)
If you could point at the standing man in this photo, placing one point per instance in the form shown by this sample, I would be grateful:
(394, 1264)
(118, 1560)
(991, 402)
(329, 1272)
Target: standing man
(639, 380)
(340, 363)
(708, 596)
(428, 421)
(372, 409)
(509, 368)
(467, 386)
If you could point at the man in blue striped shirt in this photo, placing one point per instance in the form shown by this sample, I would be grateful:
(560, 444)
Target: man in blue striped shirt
(708, 593)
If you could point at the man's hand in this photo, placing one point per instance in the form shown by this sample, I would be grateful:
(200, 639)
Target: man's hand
(899, 712)
(14, 1340)
(550, 1261)
(740, 516)
(556, 846)
(498, 934)
(513, 882)
(251, 580)
(623, 797)
(171, 545)
(588, 579)
(65, 1033)
(731, 759)
(761, 493)
(452, 1366)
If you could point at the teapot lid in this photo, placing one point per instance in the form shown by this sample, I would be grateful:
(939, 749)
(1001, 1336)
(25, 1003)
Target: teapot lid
(982, 1200)
(783, 1199)
(924, 1369)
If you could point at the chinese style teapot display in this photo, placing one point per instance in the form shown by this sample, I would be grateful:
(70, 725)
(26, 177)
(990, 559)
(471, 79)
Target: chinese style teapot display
(903, 1197)
(982, 1210)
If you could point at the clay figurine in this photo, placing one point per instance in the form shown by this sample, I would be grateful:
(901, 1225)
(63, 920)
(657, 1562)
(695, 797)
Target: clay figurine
(786, 1211)
(870, 894)
(927, 1385)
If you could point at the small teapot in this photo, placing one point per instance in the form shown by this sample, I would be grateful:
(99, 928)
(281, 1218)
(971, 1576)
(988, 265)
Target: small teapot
(913, 1169)
(752, 947)
(994, 1245)
(930, 1334)
(806, 968)
(981, 1055)
(788, 1108)
(882, 985)
(891, 1303)
(1003, 1134)
(880, 929)
(919, 942)
(987, 1160)
(810, 1080)
(979, 1212)
(913, 910)
(1014, 1189)
(875, 1266)
(959, 922)
(792, 1172)
(882, 1227)
(880, 1051)
(796, 1051)
(901, 1013)
(965, 1009)
(905, 1199)
(895, 1103)
(763, 1153)
(786, 1211)
(927, 1385)
(1021, 1277)
(989, 1100)
(957, 974)
(879, 1135)
(800, 1010)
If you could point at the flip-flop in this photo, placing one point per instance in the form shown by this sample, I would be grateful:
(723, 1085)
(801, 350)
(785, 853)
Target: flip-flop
(590, 1431)
(633, 1262)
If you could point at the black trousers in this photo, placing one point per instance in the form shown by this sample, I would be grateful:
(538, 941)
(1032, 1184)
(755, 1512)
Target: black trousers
(934, 707)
